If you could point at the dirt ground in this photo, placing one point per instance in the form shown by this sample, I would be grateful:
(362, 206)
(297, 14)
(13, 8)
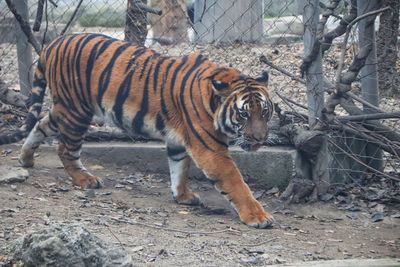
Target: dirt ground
(136, 211)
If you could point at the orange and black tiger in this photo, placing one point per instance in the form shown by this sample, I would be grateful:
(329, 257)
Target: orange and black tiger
(190, 102)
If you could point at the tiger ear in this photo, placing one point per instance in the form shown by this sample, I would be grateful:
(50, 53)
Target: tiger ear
(263, 78)
(221, 78)
(219, 87)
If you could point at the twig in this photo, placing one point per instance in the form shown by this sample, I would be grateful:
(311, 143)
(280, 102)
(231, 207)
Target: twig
(260, 243)
(284, 98)
(356, 131)
(112, 233)
(172, 229)
(362, 163)
(71, 18)
(373, 116)
(364, 102)
(39, 16)
(25, 27)
(264, 60)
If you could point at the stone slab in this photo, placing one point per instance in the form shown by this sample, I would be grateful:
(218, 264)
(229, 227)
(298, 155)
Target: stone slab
(11, 174)
(269, 166)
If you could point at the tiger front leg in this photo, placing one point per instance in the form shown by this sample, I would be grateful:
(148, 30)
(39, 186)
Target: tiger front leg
(223, 172)
(179, 163)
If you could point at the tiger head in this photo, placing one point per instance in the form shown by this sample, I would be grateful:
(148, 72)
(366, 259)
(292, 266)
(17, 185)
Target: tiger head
(245, 107)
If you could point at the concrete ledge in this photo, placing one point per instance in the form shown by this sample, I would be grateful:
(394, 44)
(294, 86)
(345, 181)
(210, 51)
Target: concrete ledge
(269, 166)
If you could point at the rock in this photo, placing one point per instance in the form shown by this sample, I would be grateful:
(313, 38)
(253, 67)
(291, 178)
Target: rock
(10, 175)
(67, 245)
(284, 25)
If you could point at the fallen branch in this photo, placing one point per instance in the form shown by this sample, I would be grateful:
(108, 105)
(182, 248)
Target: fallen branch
(25, 27)
(373, 116)
(10, 97)
(306, 141)
(377, 127)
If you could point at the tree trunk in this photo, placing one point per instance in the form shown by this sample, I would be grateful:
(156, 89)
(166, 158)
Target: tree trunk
(389, 77)
(136, 23)
(172, 26)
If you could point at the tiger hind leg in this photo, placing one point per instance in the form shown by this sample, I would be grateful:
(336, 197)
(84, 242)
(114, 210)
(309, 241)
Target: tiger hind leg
(69, 152)
(70, 157)
(46, 127)
(179, 163)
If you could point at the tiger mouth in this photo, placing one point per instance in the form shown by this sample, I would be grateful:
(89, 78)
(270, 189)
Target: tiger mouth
(251, 146)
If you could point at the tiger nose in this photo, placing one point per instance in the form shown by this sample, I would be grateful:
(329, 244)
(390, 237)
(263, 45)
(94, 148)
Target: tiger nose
(260, 137)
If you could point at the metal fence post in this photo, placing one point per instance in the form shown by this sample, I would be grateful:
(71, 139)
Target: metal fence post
(24, 50)
(369, 73)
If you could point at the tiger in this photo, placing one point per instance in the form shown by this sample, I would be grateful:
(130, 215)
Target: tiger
(193, 104)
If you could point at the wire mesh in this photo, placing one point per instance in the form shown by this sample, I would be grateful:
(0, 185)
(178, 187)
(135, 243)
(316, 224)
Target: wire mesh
(233, 33)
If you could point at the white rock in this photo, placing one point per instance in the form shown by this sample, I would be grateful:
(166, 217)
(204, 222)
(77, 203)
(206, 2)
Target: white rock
(13, 175)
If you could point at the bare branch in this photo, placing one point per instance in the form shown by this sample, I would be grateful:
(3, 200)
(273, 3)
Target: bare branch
(327, 39)
(39, 16)
(346, 38)
(329, 10)
(53, 3)
(71, 18)
(264, 60)
(25, 27)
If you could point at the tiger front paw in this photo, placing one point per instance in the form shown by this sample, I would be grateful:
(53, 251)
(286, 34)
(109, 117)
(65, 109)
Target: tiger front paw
(26, 161)
(86, 180)
(188, 198)
(255, 216)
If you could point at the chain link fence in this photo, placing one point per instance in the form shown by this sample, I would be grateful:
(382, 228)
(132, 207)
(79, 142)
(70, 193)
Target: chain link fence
(233, 33)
